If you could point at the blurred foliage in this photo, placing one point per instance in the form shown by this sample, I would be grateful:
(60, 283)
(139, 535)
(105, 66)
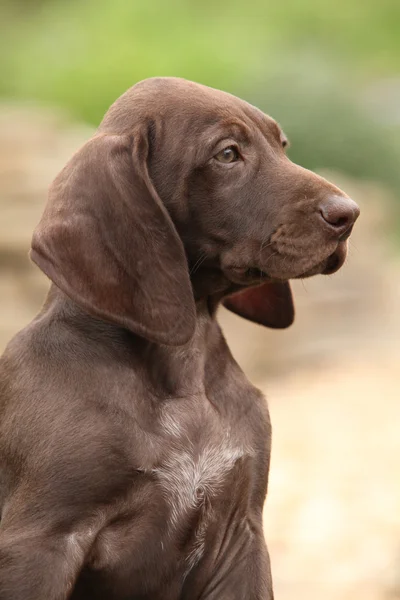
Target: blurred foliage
(308, 63)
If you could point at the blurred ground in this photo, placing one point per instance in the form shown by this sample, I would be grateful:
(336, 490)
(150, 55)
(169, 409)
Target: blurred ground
(333, 382)
(332, 515)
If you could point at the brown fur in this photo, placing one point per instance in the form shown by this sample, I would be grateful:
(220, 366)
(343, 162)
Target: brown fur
(134, 453)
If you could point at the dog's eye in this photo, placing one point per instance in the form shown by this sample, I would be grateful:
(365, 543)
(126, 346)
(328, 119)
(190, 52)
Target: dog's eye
(227, 155)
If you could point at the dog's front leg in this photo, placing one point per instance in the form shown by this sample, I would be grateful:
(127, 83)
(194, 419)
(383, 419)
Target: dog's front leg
(40, 566)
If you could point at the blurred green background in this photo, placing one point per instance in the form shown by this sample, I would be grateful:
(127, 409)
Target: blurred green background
(327, 70)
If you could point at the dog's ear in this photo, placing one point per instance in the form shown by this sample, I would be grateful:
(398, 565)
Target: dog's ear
(269, 304)
(108, 242)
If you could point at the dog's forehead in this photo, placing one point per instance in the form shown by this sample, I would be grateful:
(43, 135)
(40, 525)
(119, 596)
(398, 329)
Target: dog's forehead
(170, 92)
(179, 101)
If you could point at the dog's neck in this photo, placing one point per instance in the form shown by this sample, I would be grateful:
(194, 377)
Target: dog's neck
(172, 371)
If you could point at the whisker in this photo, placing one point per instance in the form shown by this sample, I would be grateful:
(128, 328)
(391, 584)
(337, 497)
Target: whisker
(352, 244)
(271, 256)
(198, 263)
(262, 247)
(304, 285)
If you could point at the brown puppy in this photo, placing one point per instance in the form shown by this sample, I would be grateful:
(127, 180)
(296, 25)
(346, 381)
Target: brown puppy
(134, 453)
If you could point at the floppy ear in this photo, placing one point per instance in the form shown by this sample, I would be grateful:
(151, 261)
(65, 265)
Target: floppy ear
(270, 304)
(108, 242)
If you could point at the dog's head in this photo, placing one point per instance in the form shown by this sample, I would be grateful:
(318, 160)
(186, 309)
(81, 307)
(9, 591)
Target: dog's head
(187, 191)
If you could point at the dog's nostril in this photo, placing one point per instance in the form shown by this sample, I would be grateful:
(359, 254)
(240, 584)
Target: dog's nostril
(339, 212)
(336, 221)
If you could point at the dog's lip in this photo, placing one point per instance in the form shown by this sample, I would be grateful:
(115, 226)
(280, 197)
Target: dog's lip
(333, 264)
(330, 265)
(336, 260)
(245, 275)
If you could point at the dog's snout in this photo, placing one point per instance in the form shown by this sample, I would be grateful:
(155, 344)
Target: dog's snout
(339, 213)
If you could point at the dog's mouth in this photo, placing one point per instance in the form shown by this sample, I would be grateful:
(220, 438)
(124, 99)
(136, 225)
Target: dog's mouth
(330, 265)
(257, 275)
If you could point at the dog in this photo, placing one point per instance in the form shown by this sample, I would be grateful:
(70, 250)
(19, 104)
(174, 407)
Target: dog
(134, 453)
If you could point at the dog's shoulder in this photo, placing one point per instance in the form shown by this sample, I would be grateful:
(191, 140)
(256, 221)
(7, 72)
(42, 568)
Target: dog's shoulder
(52, 426)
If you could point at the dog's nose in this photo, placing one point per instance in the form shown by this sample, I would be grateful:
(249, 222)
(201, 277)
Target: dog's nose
(340, 214)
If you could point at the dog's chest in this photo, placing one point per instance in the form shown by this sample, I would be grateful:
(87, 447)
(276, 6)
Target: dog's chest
(196, 471)
(191, 476)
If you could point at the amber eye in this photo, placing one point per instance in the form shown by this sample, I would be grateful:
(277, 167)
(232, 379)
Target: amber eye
(227, 155)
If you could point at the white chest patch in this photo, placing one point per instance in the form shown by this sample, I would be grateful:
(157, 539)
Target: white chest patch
(190, 480)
